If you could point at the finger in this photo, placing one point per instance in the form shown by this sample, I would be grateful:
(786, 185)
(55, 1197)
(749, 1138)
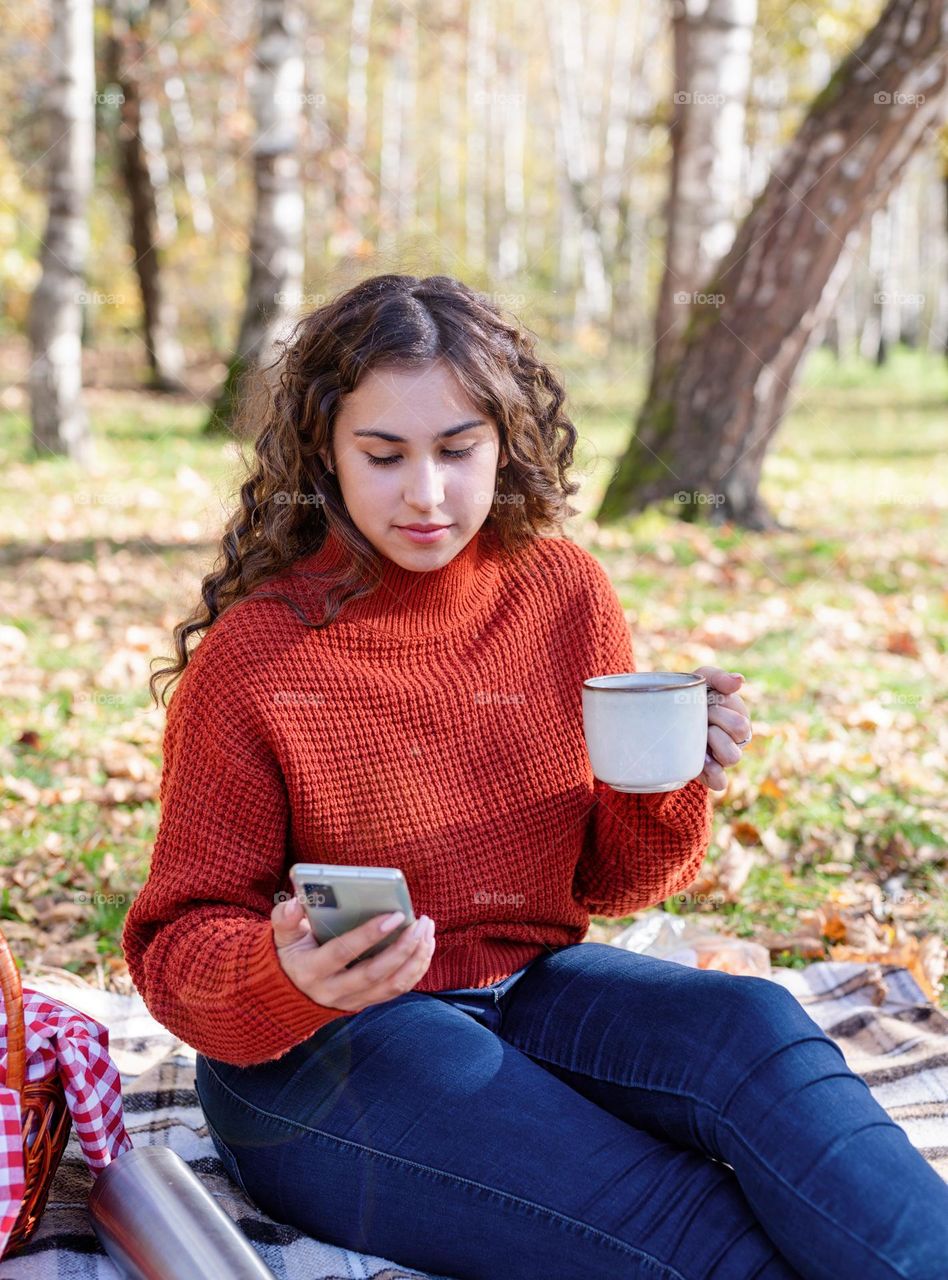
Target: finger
(718, 678)
(713, 775)
(376, 969)
(722, 747)
(353, 942)
(386, 974)
(289, 922)
(732, 700)
(414, 966)
(737, 725)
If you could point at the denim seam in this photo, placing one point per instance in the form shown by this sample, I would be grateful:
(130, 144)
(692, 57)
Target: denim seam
(819, 1039)
(879, 1257)
(681, 1093)
(664, 1270)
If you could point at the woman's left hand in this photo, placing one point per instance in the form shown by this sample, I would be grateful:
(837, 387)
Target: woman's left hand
(729, 725)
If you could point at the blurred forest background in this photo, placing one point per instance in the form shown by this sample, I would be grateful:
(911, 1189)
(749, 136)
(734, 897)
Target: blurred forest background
(727, 223)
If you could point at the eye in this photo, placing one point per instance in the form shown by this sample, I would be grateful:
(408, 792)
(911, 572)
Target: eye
(448, 453)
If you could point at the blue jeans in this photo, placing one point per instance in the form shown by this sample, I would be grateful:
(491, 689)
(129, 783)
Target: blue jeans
(599, 1113)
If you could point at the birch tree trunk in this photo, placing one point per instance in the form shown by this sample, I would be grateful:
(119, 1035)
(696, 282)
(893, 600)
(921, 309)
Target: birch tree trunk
(510, 134)
(593, 299)
(451, 115)
(712, 57)
(323, 200)
(390, 152)
(625, 221)
(146, 177)
(182, 118)
(357, 189)
(477, 83)
(276, 256)
(59, 422)
(705, 427)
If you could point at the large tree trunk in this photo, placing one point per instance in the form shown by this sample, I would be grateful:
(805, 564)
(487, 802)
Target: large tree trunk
(563, 21)
(704, 430)
(140, 146)
(509, 119)
(397, 195)
(276, 257)
(202, 219)
(712, 41)
(480, 37)
(59, 420)
(356, 187)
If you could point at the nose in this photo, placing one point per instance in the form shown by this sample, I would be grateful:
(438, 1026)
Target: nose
(424, 488)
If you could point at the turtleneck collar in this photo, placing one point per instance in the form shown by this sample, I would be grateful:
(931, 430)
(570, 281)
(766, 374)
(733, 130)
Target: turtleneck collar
(410, 602)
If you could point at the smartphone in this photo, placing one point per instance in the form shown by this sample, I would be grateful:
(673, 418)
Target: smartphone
(337, 899)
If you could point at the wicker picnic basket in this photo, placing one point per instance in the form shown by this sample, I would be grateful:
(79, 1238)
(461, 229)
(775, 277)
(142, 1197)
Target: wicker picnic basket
(45, 1117)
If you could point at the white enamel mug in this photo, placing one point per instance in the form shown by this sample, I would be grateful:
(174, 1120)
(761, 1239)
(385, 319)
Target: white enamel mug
(646, 730)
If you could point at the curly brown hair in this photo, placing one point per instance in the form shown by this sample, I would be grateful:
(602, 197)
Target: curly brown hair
(386, 320)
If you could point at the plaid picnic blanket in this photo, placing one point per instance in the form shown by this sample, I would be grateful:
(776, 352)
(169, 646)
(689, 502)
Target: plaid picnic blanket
(889, 1033)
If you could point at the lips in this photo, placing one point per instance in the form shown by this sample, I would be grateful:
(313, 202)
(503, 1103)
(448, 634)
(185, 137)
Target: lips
(423, 528)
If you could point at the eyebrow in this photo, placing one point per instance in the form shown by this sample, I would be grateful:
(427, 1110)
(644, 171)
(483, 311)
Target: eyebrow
(449, 431)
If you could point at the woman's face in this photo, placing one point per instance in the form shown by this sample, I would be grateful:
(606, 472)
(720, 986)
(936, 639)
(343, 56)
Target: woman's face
(401, 459)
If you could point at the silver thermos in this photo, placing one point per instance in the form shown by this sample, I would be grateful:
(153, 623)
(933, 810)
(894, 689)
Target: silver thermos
(157, 1221)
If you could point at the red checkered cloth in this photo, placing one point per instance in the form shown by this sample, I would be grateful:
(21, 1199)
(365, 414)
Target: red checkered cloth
(58, 1035)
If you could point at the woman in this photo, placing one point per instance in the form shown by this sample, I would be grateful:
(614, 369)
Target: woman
(486, 1097)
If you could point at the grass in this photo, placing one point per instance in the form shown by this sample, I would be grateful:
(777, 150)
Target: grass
(838, 625)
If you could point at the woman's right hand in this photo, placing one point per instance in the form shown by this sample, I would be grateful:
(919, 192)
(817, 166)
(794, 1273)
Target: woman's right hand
(319, 969)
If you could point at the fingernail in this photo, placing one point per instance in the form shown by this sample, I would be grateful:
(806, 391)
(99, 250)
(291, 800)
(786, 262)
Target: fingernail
(391, 921)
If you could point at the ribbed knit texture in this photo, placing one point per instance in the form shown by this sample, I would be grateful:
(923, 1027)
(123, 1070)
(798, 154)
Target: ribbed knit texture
(436, 726)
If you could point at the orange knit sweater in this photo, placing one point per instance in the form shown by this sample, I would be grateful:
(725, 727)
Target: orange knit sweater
(436, 726)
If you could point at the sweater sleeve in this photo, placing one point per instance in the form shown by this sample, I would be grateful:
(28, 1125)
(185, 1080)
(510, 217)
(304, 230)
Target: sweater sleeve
(198, 937)
(638, 849)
